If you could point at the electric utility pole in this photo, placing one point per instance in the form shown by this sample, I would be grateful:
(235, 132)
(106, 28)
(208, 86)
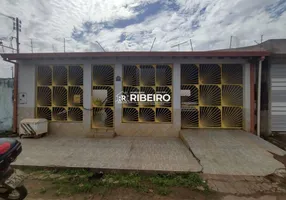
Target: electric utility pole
(18, 29)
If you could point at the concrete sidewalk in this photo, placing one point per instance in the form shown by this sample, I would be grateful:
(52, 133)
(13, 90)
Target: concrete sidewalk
(211, 151)
(232, 152)
(122, 153)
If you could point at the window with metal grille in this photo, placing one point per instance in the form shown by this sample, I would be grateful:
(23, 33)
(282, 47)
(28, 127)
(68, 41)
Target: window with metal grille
(103, 96)
(215, 95)
(148, 80)
(60, 92)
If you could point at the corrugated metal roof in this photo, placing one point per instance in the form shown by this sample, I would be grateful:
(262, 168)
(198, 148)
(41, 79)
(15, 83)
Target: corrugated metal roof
(24, 56)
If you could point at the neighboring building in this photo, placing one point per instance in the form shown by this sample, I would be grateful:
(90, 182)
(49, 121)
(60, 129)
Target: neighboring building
(6, 104)
(273, 101)
(79, 93)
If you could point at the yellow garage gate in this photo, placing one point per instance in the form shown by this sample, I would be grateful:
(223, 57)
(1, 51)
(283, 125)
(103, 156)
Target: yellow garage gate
(212, 96)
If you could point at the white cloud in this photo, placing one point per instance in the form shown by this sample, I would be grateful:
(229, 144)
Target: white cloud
(48, 21)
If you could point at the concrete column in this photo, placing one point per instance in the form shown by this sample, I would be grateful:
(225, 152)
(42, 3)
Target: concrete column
(26, 91)
(87, 90)
(246, 97)
(177, 96)
(117, 89)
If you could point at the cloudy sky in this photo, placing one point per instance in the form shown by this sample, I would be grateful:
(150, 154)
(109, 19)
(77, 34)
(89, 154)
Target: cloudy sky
(122, 25)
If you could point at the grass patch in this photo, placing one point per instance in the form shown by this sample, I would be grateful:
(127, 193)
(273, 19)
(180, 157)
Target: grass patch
(70, 182)
(43, 190)
(163, 191)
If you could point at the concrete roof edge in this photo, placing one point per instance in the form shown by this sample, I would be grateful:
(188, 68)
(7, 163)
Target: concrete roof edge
(22, 56)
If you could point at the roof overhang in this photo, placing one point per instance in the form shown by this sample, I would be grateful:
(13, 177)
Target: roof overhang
(28, 56)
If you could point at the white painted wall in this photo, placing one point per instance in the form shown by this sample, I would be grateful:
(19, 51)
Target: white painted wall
(117, 89)
(177, 95)
(27, 83)
(87, 96)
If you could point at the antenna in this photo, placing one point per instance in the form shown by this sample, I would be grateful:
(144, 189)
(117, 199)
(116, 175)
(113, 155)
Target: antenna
(152, 44)
(191, 45)
(230, 43)
(100, 45)
(261, 41)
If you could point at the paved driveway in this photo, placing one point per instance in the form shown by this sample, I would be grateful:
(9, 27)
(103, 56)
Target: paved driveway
(126, 153)
(232, 152)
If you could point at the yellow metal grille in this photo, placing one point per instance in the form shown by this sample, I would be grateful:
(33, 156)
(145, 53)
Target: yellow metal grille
(216, 96)
(59, 92)
(103, 96)
(147, 79)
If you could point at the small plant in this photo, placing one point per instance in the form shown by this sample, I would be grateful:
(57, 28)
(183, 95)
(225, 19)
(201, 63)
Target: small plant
(163, 191)
(43, 190)
(76, 181)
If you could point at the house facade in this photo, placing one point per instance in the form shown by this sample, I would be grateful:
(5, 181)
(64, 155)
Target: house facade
(81, 93)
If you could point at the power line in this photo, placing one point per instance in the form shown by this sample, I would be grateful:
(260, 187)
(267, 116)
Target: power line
(11, 44)
(7, 37)
(7, 16)
(17, 25)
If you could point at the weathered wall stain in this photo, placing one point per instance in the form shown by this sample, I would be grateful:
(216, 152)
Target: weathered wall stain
(6, 104)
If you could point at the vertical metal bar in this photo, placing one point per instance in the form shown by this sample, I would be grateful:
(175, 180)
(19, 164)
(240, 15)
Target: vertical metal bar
(15, 100)
(191, 44)
(199, 93)
(252, 107)
(152, 44)
(259, 96)
(221, 96)
(52, 92)
(68, 86)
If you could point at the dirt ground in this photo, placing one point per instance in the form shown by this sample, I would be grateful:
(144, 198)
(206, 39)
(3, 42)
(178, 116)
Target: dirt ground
(84, 184)
(35, 192)
(45, 190)
(278, 140)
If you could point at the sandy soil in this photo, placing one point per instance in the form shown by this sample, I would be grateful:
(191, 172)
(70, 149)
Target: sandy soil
(45, 190)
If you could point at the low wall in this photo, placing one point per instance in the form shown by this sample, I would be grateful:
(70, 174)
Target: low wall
(6, 104)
